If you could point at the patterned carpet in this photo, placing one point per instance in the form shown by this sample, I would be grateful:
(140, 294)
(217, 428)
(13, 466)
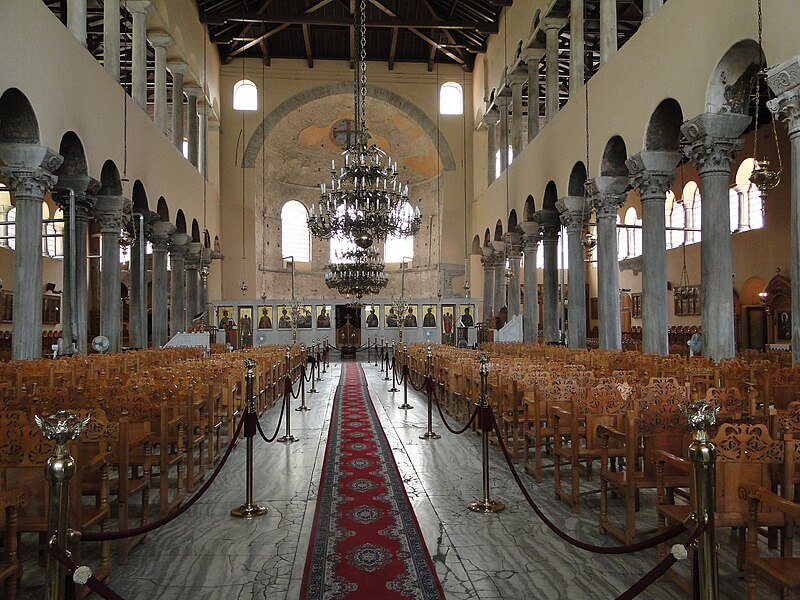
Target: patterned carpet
(365, 542)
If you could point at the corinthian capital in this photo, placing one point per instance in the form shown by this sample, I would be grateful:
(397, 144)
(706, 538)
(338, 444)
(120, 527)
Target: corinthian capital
(532, 235)
(608, 195)
(652, 173)
(159, 234)
(714, 140)
(574, 213)
(784, 80)
(29, 169)
(110, 212)
(178, 243)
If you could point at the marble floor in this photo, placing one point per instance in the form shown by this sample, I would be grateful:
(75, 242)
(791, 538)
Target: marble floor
(208, 555)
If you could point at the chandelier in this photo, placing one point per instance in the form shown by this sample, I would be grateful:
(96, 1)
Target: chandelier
(360, 274)
(365, 201)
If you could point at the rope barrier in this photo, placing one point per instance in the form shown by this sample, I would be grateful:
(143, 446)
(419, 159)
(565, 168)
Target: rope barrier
(413, 385)
(312, 369)
(444, 420)
(662, 537)
(102, 536)
(91, 582)
(297, 395)
(277, 428)
(662, 567)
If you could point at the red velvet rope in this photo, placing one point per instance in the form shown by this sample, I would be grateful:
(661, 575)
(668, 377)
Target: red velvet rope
(277, 428)
(662, 537)
(444, 420)
(93, 583)
(102, 536)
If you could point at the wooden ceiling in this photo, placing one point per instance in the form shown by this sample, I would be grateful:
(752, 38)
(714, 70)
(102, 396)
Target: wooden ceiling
(421, 31)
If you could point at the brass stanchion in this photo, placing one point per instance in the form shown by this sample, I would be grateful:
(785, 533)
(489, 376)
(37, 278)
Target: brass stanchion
(486, 425)
(382, 355)
(61, 428)
(389, 356)
(249, 509)
(405, 405)
(318, 357)
(313, 389)
(325, 356)
(391, 367)
(430, 434)
(288, 438)
(377, 353)
(703, 454)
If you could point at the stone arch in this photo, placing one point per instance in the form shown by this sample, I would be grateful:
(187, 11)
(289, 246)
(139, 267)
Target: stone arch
(71, 150)
(577, 180)
(140, 199)
(664, 127)
(18, 124)
(487, 237)
(550, 196)
(195, 231)
(206, 238)
(751, 288)
(733, 78)
(530, 208)
(162, 209)
(413, 111)
(180, 222)
(110, 181)
(476, 245)
(512, 220)
(614, 157)
(498, 231)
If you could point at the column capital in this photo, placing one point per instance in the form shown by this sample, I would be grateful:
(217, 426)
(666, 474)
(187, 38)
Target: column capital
(29, 168)
(159, 235)
(652, 173)
(140, 6)
(84, 197)
(784, 81)
(160, 39)
(531, 235)
(193, 91)
(550, 224)
(193, 250)
(532, 55)
(549, 23)
(491, 116)
(574, 212)
(110, 212)
(177, 67)
(714, 140)
(608, 195)
(785, 76)
(178, 243)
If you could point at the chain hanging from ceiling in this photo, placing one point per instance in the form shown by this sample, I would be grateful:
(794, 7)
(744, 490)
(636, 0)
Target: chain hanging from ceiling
(365, 200)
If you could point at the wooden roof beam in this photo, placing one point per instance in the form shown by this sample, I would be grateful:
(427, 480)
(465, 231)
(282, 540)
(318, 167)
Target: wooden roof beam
(393, 49)
(309, 53)
(445, 51)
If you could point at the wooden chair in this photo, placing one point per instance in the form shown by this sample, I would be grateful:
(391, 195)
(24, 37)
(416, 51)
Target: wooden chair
(603, 405)
(746, 453)
(781, 572)
(10, 570)
(657, 424)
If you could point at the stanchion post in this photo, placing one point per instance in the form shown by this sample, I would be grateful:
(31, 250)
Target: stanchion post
(430, 434)
(405, 405)
(313, 389)
(391, 367)
(249, 509)
(317, 357)
(304, 357)
(61, 428)
(486, 425)
(389, 358)
(381, 354)
(702, 455)
(325, 356)
(288, 437)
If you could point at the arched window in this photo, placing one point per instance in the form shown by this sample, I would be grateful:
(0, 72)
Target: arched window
(498, 165)
(634, 240)
(58, 229)
(11, 229)
(562, 251)
(398, 247)
(749, 202)
(5, 206)
(676, 219)
(622, 241)
(451, 99)
(245, 95)
(692, 205)
(295, 237)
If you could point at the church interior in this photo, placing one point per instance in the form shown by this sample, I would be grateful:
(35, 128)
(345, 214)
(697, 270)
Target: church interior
(466, 299)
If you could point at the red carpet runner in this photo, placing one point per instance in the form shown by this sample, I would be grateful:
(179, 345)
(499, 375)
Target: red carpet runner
(366, 542)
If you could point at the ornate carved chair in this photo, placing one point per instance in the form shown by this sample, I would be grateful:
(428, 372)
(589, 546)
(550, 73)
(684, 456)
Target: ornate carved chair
(10, 571)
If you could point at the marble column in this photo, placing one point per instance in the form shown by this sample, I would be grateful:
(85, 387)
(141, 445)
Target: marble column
(784, 80)
(138, 291)
(498, 258)
(551, 28)
(530, 246)
(491, 118)
(577, 44)
(551, 229)
(110, 215)
(532, 57)
(652, 174)
(193, 92)
(608, 30)
(517, 133)
(139, 9)
(177, 258)
(608, 195)
(178, 70)
(205, 269)
(160, 232)
(76, 19)
(75, 279)
(714, 141)
(111, 37)
(650, 7)
(487, 260)
(160, 42)
(514, 255)
(574, 213)
(193, 250)
(29, 175)
(502, 142)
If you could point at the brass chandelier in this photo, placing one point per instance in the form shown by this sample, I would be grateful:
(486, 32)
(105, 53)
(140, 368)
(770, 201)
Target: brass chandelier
(365, 200)
(360, 274)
